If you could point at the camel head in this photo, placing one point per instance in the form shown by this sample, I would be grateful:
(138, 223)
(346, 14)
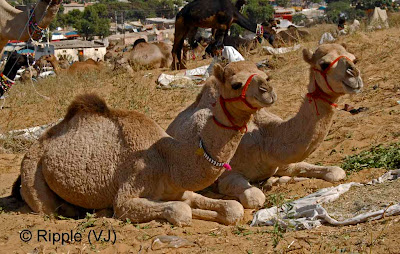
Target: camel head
(334, 69)
(233, 78)
(16, 61)
(50, 58)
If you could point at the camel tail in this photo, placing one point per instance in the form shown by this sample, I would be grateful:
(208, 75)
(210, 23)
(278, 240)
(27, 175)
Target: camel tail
(16, 189)
(90, 103)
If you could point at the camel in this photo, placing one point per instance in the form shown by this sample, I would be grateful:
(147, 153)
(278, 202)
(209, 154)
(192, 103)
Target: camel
(290, 36)
(14, 62)
(13, 22)
(273, 146)
(216, 14)
(29, 73)
(76, 67)
(152, 55)
(98, 158)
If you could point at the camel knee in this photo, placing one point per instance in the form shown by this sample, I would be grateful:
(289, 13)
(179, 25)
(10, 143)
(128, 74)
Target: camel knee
(252, 198)
(178, 213)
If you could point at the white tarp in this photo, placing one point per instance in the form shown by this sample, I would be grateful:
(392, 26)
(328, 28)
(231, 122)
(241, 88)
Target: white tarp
(31, 133)
(307, 212)
(378, 19)
(278, 51)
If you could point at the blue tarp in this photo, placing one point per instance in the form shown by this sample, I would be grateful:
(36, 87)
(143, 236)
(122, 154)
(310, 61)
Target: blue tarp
(26, 51)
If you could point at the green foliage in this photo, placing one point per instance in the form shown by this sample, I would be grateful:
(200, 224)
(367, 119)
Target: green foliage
(335, 8)
(283, 3)
(258, 11)
(298, 17)
(380, 156)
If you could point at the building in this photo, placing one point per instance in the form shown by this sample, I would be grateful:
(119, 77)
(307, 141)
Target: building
(73, 6)
(161, 23)
(79, 50)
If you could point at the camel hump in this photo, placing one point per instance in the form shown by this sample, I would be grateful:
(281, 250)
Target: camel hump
(90, 103)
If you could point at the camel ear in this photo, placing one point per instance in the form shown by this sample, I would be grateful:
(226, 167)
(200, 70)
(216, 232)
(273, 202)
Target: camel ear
(307, 55)
(218, 72)
(344, 45)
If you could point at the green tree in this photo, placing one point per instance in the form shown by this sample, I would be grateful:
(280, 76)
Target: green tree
(335, 8)
(258, 10)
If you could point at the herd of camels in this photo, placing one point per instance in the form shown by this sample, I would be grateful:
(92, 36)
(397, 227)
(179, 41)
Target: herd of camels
(103, 158)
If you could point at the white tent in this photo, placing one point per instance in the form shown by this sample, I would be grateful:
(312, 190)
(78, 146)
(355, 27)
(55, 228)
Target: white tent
(378, 19)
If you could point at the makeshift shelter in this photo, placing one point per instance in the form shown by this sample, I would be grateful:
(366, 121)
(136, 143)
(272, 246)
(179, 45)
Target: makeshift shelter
(378, 19)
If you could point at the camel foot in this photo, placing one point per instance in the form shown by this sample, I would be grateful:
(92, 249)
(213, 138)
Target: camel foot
(179, 214)
(252, 198)
(334, 174)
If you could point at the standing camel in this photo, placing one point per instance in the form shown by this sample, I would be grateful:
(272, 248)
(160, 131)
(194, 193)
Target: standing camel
(273, 146)
(216, 14)
(16, 25)
(100, 158)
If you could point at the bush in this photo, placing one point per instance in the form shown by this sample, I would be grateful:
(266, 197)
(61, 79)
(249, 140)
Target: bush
(377, 157)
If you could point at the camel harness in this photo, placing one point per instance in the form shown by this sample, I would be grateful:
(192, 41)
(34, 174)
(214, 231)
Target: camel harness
(318, 93)
(242, 98)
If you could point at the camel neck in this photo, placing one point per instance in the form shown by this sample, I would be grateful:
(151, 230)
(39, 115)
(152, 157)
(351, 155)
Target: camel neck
(56, 66)
(11, 68)
(220, 144)
(13, 21)
(302, 134)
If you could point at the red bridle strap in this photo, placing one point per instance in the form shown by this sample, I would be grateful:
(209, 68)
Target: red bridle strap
(242, 97)
(228, 115)
(324, 72)
(319, 94)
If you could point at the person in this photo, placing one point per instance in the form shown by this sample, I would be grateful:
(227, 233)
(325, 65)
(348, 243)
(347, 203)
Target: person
(342, 26)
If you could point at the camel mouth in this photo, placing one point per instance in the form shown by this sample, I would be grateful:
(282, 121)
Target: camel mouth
(266, 99)
(353, 87)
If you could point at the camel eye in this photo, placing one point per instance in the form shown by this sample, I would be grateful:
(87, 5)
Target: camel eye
(324, 66)
(237, 85)
(355, 61)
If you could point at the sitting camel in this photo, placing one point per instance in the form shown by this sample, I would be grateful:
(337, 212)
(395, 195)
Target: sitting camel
(290, 36)
(274, 146)
(76, 67)
(153, 55)
(13, 22)
(100, 158)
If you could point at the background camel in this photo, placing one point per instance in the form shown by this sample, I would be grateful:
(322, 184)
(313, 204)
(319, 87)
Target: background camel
(290, 36)
(153, 55)
(14, 62)
(76, 67)
(13, 22)
(272, 146)
(101, 158)
(216, 14)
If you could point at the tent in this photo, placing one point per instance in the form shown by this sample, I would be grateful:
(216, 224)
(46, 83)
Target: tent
(378, 19)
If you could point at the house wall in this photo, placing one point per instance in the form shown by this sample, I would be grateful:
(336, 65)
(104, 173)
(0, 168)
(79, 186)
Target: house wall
(75, 7)
(93, 53)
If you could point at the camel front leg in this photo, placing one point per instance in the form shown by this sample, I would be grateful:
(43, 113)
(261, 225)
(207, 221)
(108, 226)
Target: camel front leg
(304, 169)
(227, 212)
(236, 185)
(143, 210)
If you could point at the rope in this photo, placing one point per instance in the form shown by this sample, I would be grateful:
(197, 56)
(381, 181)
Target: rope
(30, 15)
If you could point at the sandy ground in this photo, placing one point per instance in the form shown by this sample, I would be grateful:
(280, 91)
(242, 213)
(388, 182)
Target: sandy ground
(379, 61)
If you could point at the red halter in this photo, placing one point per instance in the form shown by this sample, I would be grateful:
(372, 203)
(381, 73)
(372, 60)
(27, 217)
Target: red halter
(318, 92)
(242, 98)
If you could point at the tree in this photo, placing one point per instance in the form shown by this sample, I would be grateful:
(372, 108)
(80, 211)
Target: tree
(335, 8)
